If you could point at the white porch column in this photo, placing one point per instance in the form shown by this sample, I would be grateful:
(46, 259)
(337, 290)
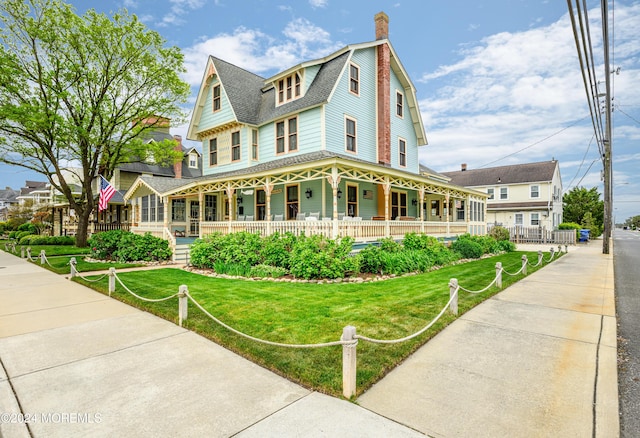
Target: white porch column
(334, 180)
(421, 200)
(165, 213)
(268, 188)
(386, 186)
(200, 212)
(230, 191)
(448, 207)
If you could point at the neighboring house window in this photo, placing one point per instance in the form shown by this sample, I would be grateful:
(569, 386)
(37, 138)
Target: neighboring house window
(292, 202)
(460, 210)
(210, 207)
(287, 135)
(193, 161)
(519, 219)
(354, 79)
(235, 146)
(144, 210)
(254, 144)
(535, 191)
(352, 200)
(350, 134)
(402, 151)
(535, 219)
(289, 88)
(399, 104)
(178, 210)
(504, 193)
(490, 192)
(398, 204)
(216, 98)
(213, 152)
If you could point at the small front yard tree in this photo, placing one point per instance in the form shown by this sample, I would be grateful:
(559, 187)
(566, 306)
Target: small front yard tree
(83, 92)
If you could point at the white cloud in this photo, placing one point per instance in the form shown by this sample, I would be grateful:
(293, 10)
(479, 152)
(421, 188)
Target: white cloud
(318, 3)
(258, 52)
(179, 8)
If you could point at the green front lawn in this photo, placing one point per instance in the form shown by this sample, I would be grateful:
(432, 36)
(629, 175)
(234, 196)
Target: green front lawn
(301, 313)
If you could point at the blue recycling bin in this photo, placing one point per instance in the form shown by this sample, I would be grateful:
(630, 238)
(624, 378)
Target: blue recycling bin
(584, 235)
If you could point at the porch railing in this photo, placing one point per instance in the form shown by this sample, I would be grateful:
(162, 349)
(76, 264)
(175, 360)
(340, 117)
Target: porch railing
(520, 234)
(360, 230)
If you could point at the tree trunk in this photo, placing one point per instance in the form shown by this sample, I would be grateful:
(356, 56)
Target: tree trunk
(83, 227)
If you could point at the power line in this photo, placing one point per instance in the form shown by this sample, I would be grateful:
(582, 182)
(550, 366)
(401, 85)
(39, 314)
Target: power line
(584, 157)
(536, 143)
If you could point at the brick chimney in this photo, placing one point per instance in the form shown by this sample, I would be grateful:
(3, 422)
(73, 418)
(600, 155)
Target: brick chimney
(177, 167)
(384, 90)
(463, 167)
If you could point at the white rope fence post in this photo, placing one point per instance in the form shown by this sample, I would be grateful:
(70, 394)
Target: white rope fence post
(43, 257)
(552, 253)
(349, 361)
(524, 264)
(72, 267)
(183, 301)
(22, 252)
(499, 275)
(539, 256)
(559, 249)
(112, 280)
(29, 252)
(566, 248)
(453, 295)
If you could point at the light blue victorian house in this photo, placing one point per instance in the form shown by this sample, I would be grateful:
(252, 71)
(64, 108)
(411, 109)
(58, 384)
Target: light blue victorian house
(328, 146)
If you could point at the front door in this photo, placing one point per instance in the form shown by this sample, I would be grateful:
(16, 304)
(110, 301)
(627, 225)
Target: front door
(194, 219)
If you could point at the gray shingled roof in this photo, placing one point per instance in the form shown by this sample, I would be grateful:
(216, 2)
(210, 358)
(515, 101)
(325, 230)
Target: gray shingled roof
(514, 174)
(254, 106)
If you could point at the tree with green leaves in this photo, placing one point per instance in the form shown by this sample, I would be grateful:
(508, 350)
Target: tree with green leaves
(633, 222)
(83, 92)
(584, 206)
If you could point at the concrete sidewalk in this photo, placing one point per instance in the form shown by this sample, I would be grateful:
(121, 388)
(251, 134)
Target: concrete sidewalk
(521, 364)
(529, 362)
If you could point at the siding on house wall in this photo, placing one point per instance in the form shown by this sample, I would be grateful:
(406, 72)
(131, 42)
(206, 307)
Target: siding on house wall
(309, 75)
(402, 127)
(361, 108)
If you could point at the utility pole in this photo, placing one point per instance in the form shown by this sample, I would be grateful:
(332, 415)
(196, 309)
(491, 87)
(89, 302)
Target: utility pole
(608, 187)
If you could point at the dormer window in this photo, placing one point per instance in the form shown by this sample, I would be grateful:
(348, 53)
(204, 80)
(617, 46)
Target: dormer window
(193, 161)
(216, 98)
(289, 88)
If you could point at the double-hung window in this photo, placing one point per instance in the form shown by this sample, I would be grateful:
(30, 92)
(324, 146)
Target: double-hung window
(354, 79)
(287, 135)
(399, 104)
(213, 152)
(235, 146)
(402, 152)
(289, 88)
(535, 191)
(504, 193)
(490, 192)
(350, 135)
(217, 104)
(535, 219)
(254, 144)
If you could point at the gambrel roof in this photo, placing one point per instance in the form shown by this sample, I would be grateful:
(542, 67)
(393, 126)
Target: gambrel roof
(253, 101)
(514, 174)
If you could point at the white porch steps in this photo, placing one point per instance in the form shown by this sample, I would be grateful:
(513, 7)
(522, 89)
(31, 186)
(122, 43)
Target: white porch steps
(181, 255)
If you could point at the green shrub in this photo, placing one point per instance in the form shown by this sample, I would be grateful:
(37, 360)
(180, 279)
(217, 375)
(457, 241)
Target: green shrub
(371, 260)
(318, 257)
(467, 248)
(500, 233)
(387, 244)
(276, 249)
(125, 246)
(29, 227)
(267, 271)
(571, 226)
(506, 246)
(33, 239)
(235, 269)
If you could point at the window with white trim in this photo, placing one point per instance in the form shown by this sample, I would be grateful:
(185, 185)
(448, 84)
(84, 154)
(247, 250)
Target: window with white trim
(193, 160)
(535, 191)
(398, 204)
(354, 79)
(402, 152)
(504, 193)
(535, 219)
(490, 192)
(350, 134)
(352, 200)
(287, 135)
(518, 219)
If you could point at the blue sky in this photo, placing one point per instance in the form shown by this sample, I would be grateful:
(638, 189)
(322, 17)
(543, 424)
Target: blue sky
(498, 81)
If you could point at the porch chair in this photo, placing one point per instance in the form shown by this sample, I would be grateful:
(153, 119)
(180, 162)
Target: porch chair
(278, 217)
(240, 217)
(300, 217)
(248, 218)
(341, 216)
(314, 216)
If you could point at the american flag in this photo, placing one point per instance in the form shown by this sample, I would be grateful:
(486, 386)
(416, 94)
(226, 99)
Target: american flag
(106, 192)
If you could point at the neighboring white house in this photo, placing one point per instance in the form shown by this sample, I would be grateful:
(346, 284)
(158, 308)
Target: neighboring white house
(528, 195)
